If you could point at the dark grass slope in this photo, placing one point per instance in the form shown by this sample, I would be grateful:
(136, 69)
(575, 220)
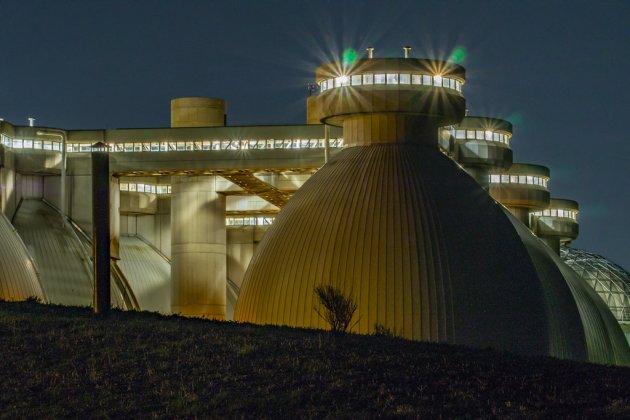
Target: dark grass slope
(61, 362)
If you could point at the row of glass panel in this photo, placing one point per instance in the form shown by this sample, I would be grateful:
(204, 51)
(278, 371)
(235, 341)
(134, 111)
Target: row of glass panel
(249, 220)
(176, 146)
(519, 179)
(390, 79)
(482, 135)
(155, 189)
(571, 214)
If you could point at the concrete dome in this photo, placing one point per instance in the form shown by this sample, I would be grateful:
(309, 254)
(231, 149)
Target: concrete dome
(417, 243)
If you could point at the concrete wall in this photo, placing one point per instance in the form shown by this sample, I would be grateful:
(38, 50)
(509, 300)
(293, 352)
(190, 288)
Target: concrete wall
(80, 208)
(7, 184)
(242, 242)
(29, 186)
(154, 228)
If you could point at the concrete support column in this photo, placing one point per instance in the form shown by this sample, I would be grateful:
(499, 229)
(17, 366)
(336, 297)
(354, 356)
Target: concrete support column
(114, 218)
(198, 247)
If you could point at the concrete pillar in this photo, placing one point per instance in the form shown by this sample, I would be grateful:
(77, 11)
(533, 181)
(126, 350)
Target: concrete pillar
(198, 250)
(114, 218)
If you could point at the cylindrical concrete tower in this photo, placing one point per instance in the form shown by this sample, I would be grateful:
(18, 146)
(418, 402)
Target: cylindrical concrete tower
(522, 189)
(557, 225)
(197, 112)
(482, 147)
(198, 268)
(400, 228)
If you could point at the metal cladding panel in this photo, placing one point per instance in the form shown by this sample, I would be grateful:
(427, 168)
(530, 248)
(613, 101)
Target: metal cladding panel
(65, 277)
(566, 332)
(414, 240)
(148, 274)
(18, 278)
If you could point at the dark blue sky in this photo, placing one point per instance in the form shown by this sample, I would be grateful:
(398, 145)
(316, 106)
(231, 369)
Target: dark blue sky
(557, 69)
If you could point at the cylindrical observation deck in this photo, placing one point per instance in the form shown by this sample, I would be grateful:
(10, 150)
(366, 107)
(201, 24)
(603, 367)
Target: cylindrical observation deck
(522, 189)
(557, 225)
(387, 100)
(482, 146)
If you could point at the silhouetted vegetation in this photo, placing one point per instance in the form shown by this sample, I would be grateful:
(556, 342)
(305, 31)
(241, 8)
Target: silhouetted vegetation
(60, 362)
(338, 309)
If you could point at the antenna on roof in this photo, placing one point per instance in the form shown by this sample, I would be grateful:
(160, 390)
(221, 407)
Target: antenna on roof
(406, 50)
(370, 51)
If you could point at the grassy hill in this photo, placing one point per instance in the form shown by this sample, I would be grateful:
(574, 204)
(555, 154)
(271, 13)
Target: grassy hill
(60, 362)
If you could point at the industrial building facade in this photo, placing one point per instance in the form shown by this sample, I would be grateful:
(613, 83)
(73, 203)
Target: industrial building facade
(390, 193)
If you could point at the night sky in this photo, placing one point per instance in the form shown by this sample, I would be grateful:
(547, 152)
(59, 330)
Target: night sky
(558, 70)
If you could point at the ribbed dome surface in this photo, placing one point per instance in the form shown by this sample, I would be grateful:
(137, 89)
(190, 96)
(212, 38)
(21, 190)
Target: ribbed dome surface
(414, 240)
(18, 277)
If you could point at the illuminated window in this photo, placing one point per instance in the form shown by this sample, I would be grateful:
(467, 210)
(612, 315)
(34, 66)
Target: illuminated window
(495, 178)
(426, 80)
(392, 79)
(480, 134)
(405, 79)
(460, 134)
(488, 135)
(437, 80)
(505, 179)
(379, 79)
(445, 82)
(342, 81)
(554, 213)
(522, 179)
(451, 83)
(514, 179)
(356, 80)
(496, 137)
(368, 79)
(470, 134)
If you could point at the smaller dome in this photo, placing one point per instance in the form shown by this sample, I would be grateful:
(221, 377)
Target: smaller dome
(610, 281)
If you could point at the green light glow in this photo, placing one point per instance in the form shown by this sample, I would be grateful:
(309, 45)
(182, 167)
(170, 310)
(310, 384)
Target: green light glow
(349, 56)
(458, 55)
(516, 119)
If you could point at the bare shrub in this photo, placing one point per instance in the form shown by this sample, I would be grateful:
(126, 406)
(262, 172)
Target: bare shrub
(338, 309)
(382, 330)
